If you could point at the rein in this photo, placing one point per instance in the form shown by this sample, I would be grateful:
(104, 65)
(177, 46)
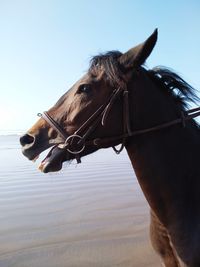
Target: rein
(77, 142)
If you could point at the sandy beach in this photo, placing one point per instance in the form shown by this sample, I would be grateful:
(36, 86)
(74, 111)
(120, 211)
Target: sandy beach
(88, 215)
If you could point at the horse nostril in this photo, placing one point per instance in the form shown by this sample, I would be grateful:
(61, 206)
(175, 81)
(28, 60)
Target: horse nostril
(26, 139)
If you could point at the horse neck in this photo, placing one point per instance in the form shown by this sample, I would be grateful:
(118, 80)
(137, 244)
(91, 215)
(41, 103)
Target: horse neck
(162, 160)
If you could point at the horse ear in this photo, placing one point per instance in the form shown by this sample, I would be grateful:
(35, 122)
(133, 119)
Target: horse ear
(137, 55)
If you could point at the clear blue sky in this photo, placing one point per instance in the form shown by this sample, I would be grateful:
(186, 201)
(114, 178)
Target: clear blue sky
(45, 46)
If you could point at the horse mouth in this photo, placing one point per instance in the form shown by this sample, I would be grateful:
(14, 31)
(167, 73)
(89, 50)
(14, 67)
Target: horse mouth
(54, 160)
(58, 154)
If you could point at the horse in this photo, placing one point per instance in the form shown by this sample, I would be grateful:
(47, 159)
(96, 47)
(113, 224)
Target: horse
(119, 101)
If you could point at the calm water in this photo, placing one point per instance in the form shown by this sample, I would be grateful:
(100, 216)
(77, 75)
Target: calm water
(88, 215)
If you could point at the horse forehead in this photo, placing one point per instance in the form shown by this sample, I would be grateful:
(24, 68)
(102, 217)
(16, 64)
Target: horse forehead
(86, 78)
(90, 77)
(70, 93)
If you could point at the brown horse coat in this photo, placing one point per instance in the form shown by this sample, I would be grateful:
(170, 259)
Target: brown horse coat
(166, 162)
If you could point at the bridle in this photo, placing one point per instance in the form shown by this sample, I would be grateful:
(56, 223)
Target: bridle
(76, 143)
(80, 137)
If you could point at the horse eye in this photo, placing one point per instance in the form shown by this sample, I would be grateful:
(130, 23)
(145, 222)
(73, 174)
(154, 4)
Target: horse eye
(84, 88)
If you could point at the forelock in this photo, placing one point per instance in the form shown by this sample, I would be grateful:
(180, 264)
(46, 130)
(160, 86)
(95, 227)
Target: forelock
(108, 64)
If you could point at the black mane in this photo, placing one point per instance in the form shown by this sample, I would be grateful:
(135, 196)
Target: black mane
(175, 86)
(182, 92)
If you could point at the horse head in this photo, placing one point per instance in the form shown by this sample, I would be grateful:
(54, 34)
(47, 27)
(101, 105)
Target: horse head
(90, 111)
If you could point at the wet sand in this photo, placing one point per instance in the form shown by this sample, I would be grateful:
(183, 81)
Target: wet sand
(89, 215)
